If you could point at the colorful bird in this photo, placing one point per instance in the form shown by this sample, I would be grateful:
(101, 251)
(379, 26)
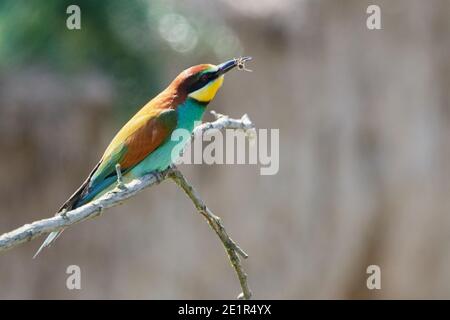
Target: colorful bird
(144, 143)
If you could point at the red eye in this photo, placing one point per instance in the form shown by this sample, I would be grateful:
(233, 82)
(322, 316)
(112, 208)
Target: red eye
(204, 78)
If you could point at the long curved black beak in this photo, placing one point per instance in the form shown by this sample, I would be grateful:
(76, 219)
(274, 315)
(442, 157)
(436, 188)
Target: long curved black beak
(230, 64)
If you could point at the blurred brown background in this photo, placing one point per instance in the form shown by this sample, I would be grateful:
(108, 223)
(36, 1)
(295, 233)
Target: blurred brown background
(364, 123)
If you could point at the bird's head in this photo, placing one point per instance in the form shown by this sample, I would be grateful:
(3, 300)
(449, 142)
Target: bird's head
(202, 82)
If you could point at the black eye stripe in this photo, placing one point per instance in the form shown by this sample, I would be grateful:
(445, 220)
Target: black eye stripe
(206, 77)
(198, 81)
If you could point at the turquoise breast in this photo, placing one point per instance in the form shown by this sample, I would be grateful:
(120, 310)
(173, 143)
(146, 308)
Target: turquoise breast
(188, 114)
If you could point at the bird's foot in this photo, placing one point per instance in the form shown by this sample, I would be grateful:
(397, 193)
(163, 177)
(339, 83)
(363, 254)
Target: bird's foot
(120, 184)
(63, 214)
(157, 176)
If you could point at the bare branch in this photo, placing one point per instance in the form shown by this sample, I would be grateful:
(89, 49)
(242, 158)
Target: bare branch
(216, 224)
(123, 191)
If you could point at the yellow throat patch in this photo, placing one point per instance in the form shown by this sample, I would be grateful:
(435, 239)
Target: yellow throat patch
(207, 93)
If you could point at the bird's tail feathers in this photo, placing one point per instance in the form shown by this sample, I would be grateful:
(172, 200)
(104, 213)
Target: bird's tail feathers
(71, 203)
(48, 241)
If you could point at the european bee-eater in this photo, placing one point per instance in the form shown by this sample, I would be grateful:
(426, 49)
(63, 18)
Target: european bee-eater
(143, 145)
